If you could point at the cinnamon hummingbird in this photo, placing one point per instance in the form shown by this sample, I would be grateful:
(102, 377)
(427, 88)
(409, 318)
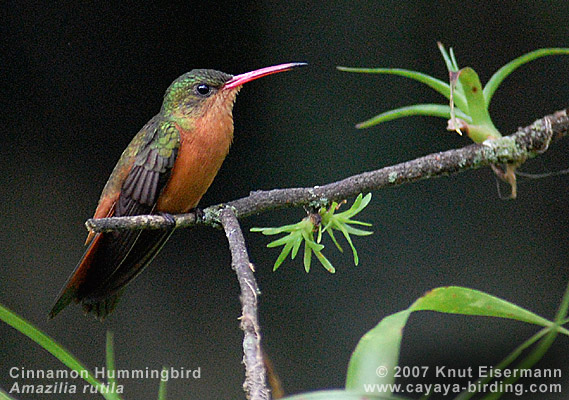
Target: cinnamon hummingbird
(166, 169)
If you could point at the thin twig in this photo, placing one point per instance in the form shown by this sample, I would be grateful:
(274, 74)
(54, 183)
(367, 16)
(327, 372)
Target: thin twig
(526, 143)
(255, 375)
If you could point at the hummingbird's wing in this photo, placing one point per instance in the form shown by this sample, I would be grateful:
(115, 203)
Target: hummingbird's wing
(113, 259)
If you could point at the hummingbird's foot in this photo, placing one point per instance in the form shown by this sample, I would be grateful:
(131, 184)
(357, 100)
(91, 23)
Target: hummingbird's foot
(170, 219)
(200, 215)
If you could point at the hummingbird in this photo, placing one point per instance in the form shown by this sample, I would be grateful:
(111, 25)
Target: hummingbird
(166, 169)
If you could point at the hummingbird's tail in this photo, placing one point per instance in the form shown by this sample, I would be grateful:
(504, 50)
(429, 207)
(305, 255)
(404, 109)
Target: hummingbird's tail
(111, 261)
(70, 291)
(65, 298)
(101, 309)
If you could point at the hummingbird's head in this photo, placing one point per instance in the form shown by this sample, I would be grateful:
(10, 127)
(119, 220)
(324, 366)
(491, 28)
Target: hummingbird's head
(206, 90)
(195, 91)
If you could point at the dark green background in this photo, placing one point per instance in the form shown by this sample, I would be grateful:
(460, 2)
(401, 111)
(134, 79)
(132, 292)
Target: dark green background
(79, 80)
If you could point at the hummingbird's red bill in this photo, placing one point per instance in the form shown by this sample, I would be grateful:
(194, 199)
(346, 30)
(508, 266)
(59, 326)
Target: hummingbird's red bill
(240, 79)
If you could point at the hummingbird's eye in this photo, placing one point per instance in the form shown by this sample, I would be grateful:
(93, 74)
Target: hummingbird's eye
(203, 89)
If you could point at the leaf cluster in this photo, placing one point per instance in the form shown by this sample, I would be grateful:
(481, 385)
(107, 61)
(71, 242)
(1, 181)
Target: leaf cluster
(469, 101)
(326, 220)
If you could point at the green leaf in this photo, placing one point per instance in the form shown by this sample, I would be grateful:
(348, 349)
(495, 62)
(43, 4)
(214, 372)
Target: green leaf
(319, 236)
(356, 231)
(327, 216)
(510, 67)
(359, 204)
(313, 245)
(460, 300)
(483, 127)
(307, 256)
(295, 247)
(381, 345)
(282, 241)
(453, 59)
(538, 352)
(377, 353)
(434, 83)
(352, 222)
(450, 61)
(349, 240)
(275, 230)
(430, 110)
(325, 262)
(303, 230)
(282, 256)
(331, 233)
(563, 310)
(477, 109)
(5, 396)
(363, 201)
(52, 347)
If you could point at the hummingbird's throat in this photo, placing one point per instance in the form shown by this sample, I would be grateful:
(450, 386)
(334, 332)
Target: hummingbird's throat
(217, 112)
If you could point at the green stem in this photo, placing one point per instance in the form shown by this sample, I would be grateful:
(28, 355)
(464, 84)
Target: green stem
(110, 359)
(162, 387)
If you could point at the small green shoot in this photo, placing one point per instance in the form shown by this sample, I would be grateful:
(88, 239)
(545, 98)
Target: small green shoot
(162, 387)
(297, 233)
(469, 102)
(342, 221)
(110, 360)
(326, 220)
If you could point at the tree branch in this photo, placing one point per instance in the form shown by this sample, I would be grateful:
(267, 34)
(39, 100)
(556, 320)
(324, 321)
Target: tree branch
(515, 149)
(526, 143)
(255, 375)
